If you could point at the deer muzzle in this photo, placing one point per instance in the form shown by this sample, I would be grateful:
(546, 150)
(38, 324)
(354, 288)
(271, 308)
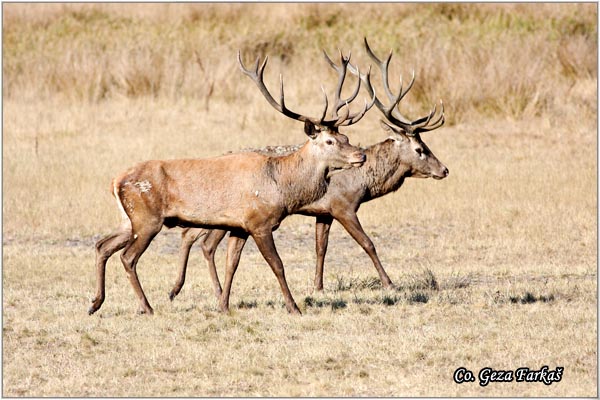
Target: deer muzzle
(358, 159)
(443, 173)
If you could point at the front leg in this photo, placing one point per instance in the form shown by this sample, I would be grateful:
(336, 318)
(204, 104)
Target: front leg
(266, 245)
(350, 222)
(322, 226)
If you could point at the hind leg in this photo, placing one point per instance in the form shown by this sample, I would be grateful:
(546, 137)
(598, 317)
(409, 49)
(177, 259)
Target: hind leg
(138, 243)
(209, 247)
(188, 238)
(105, 248)
(235, 245)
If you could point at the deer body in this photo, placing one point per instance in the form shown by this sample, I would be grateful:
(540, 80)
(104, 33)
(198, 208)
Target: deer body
(190, 192)
(245, 193)
(259, 193)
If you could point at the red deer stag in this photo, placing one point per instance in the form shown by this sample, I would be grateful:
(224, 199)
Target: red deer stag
(247, 193)
(388, 163)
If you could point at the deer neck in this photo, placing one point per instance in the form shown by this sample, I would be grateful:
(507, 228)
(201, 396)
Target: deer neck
(300, 176)
(384, 172)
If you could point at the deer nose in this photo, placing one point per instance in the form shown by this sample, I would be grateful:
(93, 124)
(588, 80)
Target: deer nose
(445, 172)
(358, 158)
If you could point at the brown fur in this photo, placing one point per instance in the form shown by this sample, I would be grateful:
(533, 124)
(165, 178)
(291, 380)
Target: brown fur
(246, 193)
(388, 163)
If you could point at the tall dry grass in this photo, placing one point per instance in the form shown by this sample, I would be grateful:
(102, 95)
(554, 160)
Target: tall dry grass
(514, 60)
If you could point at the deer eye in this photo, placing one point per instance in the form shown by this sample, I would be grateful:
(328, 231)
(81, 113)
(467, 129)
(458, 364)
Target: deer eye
(420, 153)
(329, 142)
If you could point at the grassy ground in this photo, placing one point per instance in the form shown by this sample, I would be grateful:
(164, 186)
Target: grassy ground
(495, 265)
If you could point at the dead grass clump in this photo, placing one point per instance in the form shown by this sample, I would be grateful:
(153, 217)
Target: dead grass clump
(457, 281)
(390, 300)
(344, 283)
(576, 59)
(423, 279)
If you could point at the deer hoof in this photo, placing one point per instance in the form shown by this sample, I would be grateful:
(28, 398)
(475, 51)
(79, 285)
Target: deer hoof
(96, 304)
(223, 309)
(144, 311)
(294, 310)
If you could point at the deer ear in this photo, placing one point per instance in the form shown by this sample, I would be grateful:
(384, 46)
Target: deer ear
(310, 129)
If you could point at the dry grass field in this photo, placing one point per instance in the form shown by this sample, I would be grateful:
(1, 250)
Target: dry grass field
(496, 266)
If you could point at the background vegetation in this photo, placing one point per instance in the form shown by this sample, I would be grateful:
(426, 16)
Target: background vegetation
(495, 266)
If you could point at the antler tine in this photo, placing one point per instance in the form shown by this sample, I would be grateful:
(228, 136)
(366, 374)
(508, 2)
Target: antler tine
(341, 70)
(394, 99)
(334, 66)
(358, 116)
(410, 85)
(386, 111)
(347, 118)
(423, 121)
(257, 76)
(428, 125)
(392, 112)
(401, 95)
(383, 66)
(343, 117)
(366, 78)
(326, 105)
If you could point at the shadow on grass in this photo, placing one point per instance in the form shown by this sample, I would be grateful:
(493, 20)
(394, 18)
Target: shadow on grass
(525, 298)
(529, 298)
(335, 304)
(247, 304)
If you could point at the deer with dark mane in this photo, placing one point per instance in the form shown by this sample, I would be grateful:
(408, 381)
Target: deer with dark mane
(403, 154)
(247, 194)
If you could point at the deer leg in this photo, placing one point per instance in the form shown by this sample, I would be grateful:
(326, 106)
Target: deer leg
(209, 247)
(351, 223)
(105, 248)
(266, 245)
(235, 245)
(322, 239)
(188, 238)
(139, 242)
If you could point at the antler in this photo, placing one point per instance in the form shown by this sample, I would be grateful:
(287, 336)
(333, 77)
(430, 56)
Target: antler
(339, 103)
(344, 120)
(392, 112)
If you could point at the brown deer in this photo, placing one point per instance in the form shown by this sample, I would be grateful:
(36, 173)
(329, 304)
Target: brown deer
(400, 156)
(245, 193)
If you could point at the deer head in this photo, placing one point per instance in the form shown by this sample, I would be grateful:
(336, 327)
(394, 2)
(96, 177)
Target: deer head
(405, 133)
(325, 141)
